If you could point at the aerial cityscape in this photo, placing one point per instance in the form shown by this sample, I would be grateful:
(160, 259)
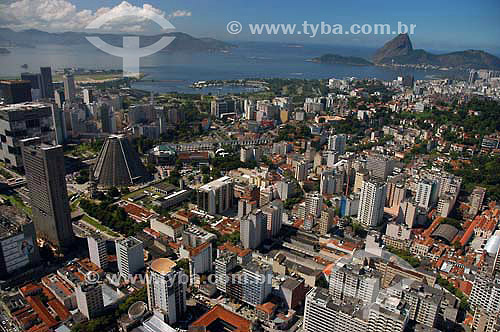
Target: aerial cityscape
(249, 166)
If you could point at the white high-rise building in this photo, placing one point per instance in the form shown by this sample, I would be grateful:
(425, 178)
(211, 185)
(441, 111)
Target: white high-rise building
(253, 229)
(331, 182)
(224, 264)
(348, 280)
(274, 216)
(256, 282)
(69, 87)
(217, 196)
(249, 108)
(97, 251)
(301, 170)
(88, 97)
(361, 176)
(337, 143)
(485, 294)
(324, 313)
(89, 299)
(380, 166)
(372, 201)
(166, 286)
(427, 193)
(388, 315)
(314, 204)
(286, 189)
(130, 256)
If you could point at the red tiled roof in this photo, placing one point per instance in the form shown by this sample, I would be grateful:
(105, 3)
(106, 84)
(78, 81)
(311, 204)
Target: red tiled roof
(197, 250)
(41, 311)
(137, 211)
(468, 233)
(239, 323)
(30, 289)
(267, 307)
(235, 249)
(60, 309)
(466, 287)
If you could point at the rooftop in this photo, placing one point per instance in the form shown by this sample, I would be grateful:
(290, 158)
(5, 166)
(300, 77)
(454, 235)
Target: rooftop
(163, 265)
(27, 106)
(220, 319)
(129, 242)
(216, 183)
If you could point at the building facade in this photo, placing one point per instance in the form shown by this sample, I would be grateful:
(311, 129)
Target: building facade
(46, 179)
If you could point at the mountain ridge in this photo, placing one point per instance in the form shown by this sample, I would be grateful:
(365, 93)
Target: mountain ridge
(399, 50)
(182, 42)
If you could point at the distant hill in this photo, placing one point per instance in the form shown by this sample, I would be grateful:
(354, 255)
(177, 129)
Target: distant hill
(4, 51)
(400, 51)
(399, 46)
(343, 60)
(182, 42)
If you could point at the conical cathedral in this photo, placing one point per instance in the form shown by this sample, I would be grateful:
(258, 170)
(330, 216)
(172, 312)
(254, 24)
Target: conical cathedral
(118, 164)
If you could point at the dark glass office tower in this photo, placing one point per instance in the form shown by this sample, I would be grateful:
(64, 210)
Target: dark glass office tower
(15, 91)
(46, 83)
(45, 175)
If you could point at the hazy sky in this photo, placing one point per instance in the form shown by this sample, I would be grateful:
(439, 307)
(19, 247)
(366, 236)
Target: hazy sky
(441, 24)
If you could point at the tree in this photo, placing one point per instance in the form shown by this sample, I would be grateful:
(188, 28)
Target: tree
(113, 192)
(184, 264)
(205, 169)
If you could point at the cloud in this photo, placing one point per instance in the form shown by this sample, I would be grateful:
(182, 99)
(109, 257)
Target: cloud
(180, 13)
(62, 15)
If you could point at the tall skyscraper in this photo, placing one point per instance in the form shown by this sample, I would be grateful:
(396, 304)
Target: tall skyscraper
(252, 229)
(372, 201)
(106, 116)
(34, 79)
(59, 98)
(314, 204)
(380, 166)
(224, 264)
(351, 280)
(59, 124)
(36, 83)
(326, 220)
(89, 299)
(46, 178)
(217, 196)
(69, 87)
(97, 251)
(22, 121)
(130, 256)
(166, 290)
(476, 200)
(301, 170)
(427, 193)
(337, 143)
(46, 87)
(15, 91)
(256, 282)
(325, 313)
(331, 182)
(88, 96)
(274, 216)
